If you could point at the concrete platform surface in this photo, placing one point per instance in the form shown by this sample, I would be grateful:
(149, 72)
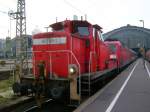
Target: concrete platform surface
(128, 92)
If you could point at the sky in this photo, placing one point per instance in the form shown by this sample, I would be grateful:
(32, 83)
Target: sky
(109, 14)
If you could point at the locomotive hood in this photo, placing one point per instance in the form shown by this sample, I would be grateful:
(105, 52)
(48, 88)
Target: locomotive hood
(49, 34)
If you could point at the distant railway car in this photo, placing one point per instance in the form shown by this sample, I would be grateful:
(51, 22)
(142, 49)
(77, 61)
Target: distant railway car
(67, 60)
(120, 53)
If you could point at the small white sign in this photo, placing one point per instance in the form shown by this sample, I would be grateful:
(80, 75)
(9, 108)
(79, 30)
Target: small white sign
(45, 41)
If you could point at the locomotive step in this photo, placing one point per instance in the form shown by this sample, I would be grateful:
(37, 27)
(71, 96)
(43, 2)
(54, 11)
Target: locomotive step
(96, 74)
(85, 82)
(85, 90)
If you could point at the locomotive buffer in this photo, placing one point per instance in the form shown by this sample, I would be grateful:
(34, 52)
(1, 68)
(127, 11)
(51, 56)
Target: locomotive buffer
(129, 92)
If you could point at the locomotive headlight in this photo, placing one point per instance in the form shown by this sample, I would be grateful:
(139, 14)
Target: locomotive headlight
(113, 56)
(72, 69)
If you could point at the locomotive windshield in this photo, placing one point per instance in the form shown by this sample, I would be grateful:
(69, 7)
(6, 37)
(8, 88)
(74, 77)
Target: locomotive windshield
(83, 31)
(112, 47)
(81, 28)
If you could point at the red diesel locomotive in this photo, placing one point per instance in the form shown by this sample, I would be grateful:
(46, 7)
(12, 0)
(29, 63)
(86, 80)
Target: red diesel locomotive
(73, 49)
(69, 59)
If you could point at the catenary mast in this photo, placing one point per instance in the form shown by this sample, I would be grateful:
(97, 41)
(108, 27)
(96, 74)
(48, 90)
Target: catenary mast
(21, 39)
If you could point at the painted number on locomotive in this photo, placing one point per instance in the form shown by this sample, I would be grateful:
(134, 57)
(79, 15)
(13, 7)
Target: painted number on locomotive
(44, 41)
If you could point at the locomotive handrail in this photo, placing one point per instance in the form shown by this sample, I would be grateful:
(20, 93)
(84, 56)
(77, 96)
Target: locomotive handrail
(64, 51)
(69, 51)
(90, 62)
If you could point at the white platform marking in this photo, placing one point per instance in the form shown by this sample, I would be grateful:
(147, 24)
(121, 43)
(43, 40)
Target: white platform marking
(112, 104)
(147, 70)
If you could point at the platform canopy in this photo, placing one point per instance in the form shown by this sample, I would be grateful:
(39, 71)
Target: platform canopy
(132, 36)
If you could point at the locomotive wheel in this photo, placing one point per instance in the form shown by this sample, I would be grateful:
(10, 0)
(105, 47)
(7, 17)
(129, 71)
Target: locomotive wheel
(24, 89)
(20, 89)
(56, 92)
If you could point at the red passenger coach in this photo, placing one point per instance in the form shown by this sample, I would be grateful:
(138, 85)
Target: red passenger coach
(120, 53)
(116, 48)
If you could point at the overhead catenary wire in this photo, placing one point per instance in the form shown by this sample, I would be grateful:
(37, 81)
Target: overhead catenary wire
(3, 12)
(77, 9)
(74, 7)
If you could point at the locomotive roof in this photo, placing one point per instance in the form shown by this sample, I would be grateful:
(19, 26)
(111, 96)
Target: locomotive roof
(82, 22)
(58, 24)
(97, 27)
(113, 41)
(45, 34)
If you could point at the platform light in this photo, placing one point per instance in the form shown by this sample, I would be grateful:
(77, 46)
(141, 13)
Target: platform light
(142, 22)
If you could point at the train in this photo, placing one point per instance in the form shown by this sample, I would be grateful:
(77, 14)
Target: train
(70, 59)
(121, 53)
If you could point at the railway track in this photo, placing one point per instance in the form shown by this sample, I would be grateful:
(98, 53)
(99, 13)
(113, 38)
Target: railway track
(47, 106)
(4, 75)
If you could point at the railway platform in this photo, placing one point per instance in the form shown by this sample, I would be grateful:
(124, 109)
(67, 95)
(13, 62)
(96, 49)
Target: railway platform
(128, 92)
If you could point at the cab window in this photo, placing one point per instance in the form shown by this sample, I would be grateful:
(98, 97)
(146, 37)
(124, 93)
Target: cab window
(100, 35)
(83, 31)
(112, 47)
(81, 28)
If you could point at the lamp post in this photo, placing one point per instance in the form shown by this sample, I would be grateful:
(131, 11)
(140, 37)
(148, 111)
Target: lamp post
(142, 22)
